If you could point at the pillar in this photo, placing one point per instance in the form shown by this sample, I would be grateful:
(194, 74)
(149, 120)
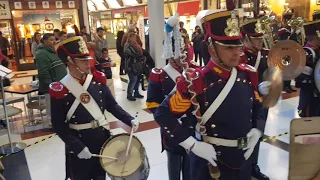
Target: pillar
(156, 30)
(84, 21)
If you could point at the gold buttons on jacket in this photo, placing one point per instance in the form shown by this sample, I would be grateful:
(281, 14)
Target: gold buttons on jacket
(213, 126)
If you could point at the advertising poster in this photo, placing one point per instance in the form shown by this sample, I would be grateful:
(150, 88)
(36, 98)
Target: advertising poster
(45, 23)
(5, 10)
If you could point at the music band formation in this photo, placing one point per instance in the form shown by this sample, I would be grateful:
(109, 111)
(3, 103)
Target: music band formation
(211, 118)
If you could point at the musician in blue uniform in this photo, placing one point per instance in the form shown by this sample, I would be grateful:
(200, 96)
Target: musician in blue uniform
(78, 103)
(309, 99)
(256, 56)
(316, 15)
(285, 34)
(223, 96)
(161, 83)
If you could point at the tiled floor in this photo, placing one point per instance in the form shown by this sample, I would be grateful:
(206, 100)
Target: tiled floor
(46, 159)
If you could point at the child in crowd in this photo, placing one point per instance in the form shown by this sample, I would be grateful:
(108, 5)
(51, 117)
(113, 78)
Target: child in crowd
(104, 64)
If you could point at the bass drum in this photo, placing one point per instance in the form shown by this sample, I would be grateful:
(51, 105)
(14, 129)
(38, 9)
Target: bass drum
(317, 75)
(135, 166)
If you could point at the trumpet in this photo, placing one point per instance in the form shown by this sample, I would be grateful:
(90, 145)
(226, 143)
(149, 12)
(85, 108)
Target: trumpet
(296, 25)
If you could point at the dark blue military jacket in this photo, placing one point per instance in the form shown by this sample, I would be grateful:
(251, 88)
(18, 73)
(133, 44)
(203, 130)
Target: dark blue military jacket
(309, 101)
(232, 120)
(76, 141)
(250, 58)
(159, 87)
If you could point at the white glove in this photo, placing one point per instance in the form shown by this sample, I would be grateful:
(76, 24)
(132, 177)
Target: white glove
(201, 149)
(264, 87)
(85, 154)
(307, 70)
(135, 124)
(253, 138)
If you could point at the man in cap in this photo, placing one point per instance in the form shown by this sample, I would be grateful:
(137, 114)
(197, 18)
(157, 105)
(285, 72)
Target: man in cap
(161, 83)
(78, 103)
(256, 56)
(224, 139)
(309, 99)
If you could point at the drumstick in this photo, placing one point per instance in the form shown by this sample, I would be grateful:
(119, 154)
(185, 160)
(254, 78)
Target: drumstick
(101, 156)
(130, 139)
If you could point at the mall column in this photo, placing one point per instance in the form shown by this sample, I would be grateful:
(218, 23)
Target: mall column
(156, 30)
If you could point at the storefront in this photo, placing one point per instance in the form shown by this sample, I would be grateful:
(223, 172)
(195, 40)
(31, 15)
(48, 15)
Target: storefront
(114, 16)
(6, 24)
(43, 17)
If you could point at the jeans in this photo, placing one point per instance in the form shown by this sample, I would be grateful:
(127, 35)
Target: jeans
(133, 84)
(176, 164)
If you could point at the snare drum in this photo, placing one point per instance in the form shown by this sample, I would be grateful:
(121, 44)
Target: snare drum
(135, 166)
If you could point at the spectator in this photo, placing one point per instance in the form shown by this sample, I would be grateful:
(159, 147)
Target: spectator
(183, 31)
(35, 44)
(189, 49)
(56, 34)
(197, 38)
(83, 32)
(50, 68)
(62, 36)
(4, 44)
(49, 65)
(135, 63)
(131, 28)
(120, 52)
(104, 64)
(205, 52)
(100, 41)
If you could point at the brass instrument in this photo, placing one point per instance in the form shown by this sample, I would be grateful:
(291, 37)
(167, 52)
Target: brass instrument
(266, 22)
(289, 57)
(296, 25)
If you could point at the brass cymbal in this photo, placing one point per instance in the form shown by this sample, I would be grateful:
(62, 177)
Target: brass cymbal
(275, 77)
(289, 56)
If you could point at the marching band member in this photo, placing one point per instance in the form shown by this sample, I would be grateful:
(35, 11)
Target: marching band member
(316, 15)
(161, 83)
(256, 56)
(309, 99)
(226, 94)
(78, 103)
(285, 34)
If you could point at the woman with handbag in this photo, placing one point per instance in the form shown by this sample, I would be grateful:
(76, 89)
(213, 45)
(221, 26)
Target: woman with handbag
(135, 63)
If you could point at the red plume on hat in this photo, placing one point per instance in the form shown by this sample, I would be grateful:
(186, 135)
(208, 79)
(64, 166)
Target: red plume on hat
(76, 30)
(230, 5)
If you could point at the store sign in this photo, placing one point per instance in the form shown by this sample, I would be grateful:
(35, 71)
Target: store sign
(58, 4)
(71, 4)
(45, 4)
(5, 10)
(17, 5)
(32, 5)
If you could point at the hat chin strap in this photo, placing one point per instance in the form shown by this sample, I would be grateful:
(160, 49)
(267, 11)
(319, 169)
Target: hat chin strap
(211, 46)
(252, 46)
(71, 60)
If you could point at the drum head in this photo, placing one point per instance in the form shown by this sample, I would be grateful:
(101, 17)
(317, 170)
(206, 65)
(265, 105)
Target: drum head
(125, 165)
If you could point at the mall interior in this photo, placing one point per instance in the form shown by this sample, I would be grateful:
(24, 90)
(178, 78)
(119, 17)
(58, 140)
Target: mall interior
(33, 147)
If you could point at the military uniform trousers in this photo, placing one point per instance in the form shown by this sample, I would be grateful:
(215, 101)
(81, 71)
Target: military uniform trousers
(176, 163)
(83, 169)
(309, 106)
(200, 171)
